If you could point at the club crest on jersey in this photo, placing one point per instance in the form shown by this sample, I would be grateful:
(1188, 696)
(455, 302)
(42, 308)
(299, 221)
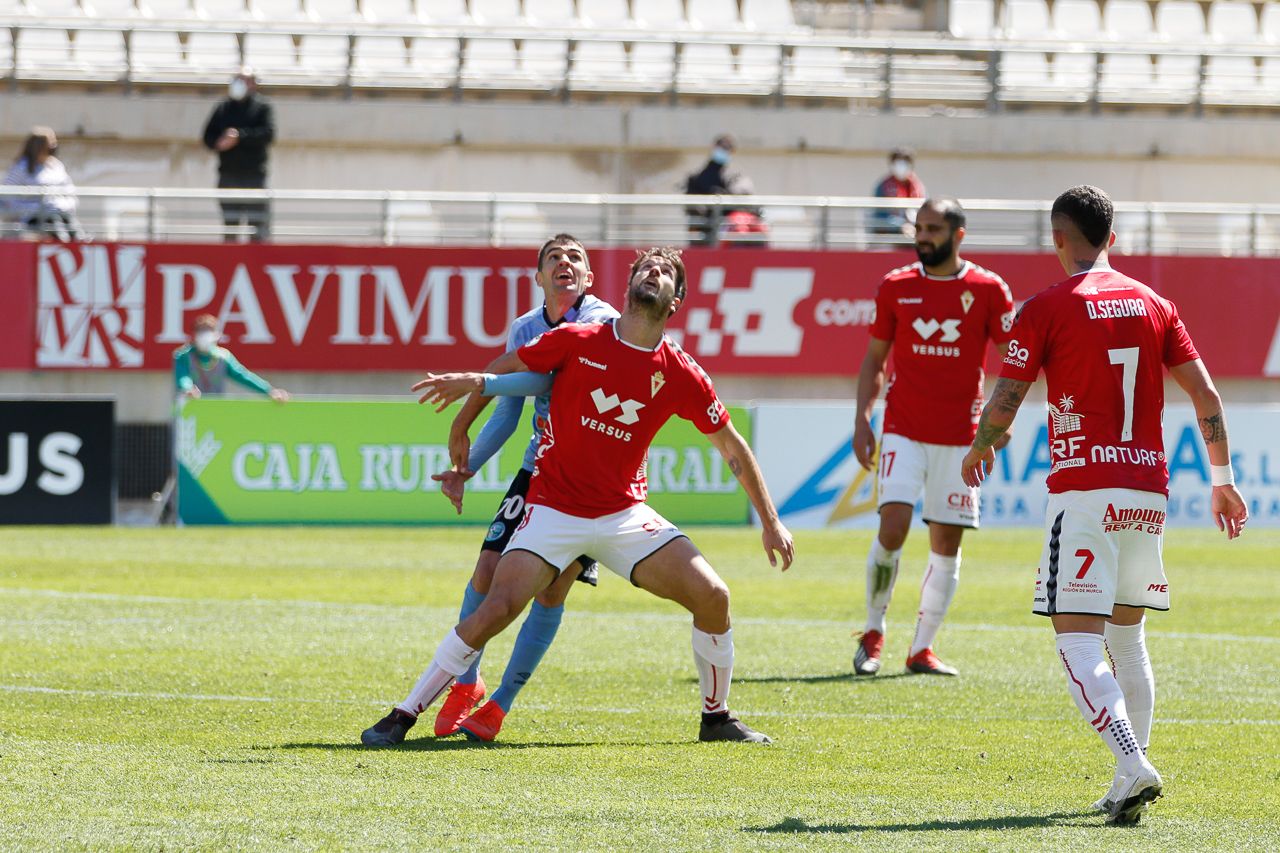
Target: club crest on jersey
(656, 382)
(966, 300)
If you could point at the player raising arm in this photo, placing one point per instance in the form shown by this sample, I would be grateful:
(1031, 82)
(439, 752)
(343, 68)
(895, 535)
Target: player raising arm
(615, 386)
(1102, 339)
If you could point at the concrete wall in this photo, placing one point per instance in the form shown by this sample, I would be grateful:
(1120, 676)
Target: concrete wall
(414, 144)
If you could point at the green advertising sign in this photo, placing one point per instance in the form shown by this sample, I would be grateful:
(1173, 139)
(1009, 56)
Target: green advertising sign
(258, 462)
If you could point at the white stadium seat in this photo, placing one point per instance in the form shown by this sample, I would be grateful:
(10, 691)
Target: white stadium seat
(545, 60)
(435, 60)
(1025, 76)
(1027, 19)
(100, 53)
(43, 54)
(550, 13)
(605, 14)
(379, 59)
(333, 11)
(214, 53)
(496, 13)
(222, 10)
(169, 10)
(156, 54)
(660, 14)
(270, 53)
(1078, 19)
(389, 11)
(1179, 19)
(1126, 78)
(1233, 21)
(971, 18)
(6, 52)
(599, 65)
(324, 57)
(1128, 20)
(653, 62)
(54, 8)
(490, 62)
(519, 224)
(706, 68)
(115, 9)
(411, 222)
(1233, 80)
(714, 14)
(1270, 26)
(278, 10)
(1178, 76)
(13, 8)
(444, 12)
(768, 15)
(760, 64)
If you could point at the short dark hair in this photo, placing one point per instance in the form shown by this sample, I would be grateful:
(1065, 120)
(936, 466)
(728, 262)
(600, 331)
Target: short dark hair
(949, 208)
(726, 141)
(667, 253)
(1089, 209)
(903, 154)
(560, 240)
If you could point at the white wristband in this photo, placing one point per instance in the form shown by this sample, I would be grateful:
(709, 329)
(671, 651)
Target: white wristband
(1222, 475)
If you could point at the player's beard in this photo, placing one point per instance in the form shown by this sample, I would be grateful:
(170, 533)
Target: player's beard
(650, 302)
(932, 257)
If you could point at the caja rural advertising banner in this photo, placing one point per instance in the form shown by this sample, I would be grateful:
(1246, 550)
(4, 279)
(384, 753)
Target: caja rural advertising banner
(324, 308)
(366, 462)
(818, 483)
(57, 461)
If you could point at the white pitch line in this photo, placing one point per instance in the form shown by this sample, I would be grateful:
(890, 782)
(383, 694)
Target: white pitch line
(533, 706)
(612, 616)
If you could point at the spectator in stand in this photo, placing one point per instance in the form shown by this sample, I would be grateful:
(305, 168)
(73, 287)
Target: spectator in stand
(901, 182)
(241, 129)
(202, 367)
(715, 179)
(53, 215)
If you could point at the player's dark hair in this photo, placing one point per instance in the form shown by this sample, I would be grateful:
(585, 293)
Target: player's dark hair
(949, 209)
(561, 240)
(903, 154)
(1089, 209)
(666, 253)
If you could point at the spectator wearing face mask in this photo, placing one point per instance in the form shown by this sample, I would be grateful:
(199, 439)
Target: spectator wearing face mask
(240, 130)
(48, 216)
(715, 178)
(901, 182)
(202, 367)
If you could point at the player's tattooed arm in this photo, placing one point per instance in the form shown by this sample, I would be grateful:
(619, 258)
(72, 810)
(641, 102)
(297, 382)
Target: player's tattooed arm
(1213, 428)
(999, 413)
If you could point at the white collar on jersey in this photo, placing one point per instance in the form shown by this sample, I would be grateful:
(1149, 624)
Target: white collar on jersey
(1099, 267)
(613, 324)
(960, 273)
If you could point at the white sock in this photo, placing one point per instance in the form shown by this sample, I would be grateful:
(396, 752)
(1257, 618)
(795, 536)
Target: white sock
(714, 655)
(1127, 645)
(452, 659)
(1099, 698)
(939, 587)
(882, 573)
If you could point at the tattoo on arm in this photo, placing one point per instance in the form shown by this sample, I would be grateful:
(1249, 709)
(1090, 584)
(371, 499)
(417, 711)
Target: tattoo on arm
(735, 465)
(1008, 395)
(987, 432)
(1213, 428)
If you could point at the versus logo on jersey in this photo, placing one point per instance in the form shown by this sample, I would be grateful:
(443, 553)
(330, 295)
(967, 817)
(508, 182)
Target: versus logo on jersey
(926, 329)
(606, 403)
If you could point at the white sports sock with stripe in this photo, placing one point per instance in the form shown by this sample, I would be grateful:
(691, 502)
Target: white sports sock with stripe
(939, 587)
(882, 573)
(1099, 698)
(453, 657)
(1127, 645)
(714, 655)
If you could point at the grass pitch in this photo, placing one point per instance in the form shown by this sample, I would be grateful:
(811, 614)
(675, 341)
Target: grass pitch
(207, 688)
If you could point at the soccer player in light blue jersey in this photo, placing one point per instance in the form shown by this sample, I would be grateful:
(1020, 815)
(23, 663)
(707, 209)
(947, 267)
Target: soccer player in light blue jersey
(564, 274)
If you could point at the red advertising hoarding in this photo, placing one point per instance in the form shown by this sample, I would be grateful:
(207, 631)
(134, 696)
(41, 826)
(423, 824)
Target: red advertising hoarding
(326, 308)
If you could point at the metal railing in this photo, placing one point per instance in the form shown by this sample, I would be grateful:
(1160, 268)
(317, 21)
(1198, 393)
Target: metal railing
(527, 219)
(885, 71)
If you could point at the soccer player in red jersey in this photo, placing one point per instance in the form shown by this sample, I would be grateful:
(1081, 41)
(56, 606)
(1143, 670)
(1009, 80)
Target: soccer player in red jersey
(936, 316)
(615, 385)
(1102, 340)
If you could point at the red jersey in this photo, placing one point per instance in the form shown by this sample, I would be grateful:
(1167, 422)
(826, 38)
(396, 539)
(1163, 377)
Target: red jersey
(609, 400)
(1101, 338)
(939, 328)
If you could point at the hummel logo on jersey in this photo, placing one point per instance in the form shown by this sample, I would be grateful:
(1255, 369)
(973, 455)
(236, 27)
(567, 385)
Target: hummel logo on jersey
(589, 363)
(606, 403)
(656, 382)
(926, 329)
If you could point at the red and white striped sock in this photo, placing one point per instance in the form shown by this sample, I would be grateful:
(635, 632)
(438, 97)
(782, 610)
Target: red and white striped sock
(714, 655)
(1099, 698)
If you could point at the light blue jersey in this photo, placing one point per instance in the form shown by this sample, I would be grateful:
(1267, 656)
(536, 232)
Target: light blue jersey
(506, 415)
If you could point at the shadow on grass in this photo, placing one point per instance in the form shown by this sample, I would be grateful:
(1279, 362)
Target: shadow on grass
(429, 744)
(817, 679)
(797, 826)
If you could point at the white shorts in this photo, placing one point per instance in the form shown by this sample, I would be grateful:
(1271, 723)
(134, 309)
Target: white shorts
(908, 466)
(620, 540)
(1103, 548)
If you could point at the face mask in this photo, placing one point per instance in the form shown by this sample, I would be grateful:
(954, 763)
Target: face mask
(900, 169)
(206, 340)
(720, 155)
(238, 89)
